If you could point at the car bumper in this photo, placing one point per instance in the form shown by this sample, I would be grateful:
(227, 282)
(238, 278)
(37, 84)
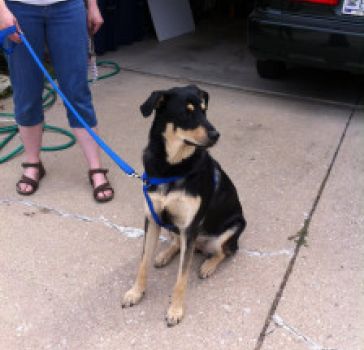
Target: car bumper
(330, 43)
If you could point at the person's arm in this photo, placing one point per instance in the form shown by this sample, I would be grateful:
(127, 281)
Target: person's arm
(94, 18)
(7, 19)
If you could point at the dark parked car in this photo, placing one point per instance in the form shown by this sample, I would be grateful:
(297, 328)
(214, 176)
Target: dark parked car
(320, 33)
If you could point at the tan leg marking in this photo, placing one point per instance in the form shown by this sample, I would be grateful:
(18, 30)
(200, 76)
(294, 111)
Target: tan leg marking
(135, 294)
(166, 256)
(209, 265)
(175, 311)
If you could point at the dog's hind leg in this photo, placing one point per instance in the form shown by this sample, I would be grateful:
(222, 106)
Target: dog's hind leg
(209, 265)
(135, 294)
(175, 310)
(166, 256)
(223, 246)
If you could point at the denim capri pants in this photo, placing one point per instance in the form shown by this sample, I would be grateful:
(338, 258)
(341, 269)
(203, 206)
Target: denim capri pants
(62, 27)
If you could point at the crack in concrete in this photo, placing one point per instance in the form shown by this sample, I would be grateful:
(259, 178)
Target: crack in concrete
(130, 232)
(301, 236)
(296, 333)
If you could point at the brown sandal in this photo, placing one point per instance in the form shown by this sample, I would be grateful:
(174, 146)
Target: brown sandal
(28, 181)
(103, 187)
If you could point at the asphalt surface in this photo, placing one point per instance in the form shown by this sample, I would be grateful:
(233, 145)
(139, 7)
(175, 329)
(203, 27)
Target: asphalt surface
(296, 282)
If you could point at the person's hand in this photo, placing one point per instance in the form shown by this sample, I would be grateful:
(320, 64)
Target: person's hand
(7, 19)
(94, 18)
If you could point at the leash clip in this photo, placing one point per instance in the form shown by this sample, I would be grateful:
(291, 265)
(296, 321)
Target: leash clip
(135, 175)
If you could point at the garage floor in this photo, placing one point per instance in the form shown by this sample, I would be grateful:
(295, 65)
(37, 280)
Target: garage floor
(217, 53)
(295, 284)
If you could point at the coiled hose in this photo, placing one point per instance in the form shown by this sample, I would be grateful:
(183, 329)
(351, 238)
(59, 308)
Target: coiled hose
(49, 98)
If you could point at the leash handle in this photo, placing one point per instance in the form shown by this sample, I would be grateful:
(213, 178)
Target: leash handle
(123, 165)
(4, 33)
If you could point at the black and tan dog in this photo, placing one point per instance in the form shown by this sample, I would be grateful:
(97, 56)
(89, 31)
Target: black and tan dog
(202, 206)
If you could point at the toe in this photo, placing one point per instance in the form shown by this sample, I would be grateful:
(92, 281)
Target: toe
(131, 298)
(174, 316)
(207, 269)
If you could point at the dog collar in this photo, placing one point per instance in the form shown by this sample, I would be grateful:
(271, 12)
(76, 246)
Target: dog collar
(155, 181)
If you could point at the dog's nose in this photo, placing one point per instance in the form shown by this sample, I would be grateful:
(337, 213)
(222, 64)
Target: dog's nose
(213, 135)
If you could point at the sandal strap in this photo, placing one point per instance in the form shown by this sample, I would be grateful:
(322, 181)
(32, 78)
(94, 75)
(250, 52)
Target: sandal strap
(101, 188)
(92, 172)
(38, 166)
(34, 183)
(104, 187)
(32, 165)
(28, 181)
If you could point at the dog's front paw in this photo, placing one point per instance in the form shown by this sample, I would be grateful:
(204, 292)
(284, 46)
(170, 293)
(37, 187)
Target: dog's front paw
(174, 316)
(131, 297)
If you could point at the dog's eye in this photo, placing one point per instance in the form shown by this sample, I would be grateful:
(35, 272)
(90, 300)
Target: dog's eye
(203, 106)
(190, 107)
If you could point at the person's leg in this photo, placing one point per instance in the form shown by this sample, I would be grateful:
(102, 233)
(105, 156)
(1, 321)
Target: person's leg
(27, 83)
(67, 40)
(89, 147)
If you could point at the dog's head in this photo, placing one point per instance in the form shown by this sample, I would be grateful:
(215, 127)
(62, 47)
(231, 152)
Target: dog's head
(181, 116)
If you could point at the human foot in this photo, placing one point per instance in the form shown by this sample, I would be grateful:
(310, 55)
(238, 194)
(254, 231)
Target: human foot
(103, 192)
(29, 182)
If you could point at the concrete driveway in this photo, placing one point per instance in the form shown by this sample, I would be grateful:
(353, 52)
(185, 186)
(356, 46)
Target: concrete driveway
(295, 284)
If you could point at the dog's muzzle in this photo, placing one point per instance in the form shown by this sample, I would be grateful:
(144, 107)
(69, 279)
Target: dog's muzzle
(212, 138)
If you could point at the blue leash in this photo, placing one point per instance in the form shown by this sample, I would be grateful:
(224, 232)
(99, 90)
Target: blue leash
(147, 181)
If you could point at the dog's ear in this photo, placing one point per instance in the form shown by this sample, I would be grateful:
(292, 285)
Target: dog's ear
(154, 101)
(205, 96)
(202, 93)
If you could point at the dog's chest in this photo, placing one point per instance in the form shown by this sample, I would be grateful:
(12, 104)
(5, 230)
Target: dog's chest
(180, 206)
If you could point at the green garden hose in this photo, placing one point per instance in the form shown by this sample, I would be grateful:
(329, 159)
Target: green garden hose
(49, 99)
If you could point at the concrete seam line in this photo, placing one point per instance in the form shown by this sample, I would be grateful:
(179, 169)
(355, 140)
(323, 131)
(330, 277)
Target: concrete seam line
(129, 232)
(279, 322)
(248, 90)
(302, 234)
(260, 254)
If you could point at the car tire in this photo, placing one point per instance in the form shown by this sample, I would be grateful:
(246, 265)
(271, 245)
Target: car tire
(269, 69)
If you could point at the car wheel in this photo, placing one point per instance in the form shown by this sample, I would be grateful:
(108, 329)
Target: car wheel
(269, 69)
